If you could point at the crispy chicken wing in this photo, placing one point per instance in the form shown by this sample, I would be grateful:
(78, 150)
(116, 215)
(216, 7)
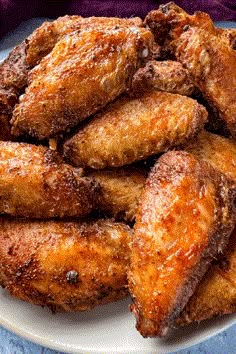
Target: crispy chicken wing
(72, 266)
(220, 152)
(143, 126)
(83, 72)
(168, 75)
(44, 38)
(120, 191)
(13, 79)
(204, 52)
(184, 220)
(216, 294)
(35, 183)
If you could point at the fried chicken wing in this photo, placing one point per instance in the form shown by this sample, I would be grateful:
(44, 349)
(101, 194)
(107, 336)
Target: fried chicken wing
(13, 79)
(184, 220)
(120, 191)
(35, 183)
(72, 266)
(44, 38)
(216, 294)
(83, 72)
(211, 63)
(143, 126)
(220, 152)
(168, 75)
(204, 52)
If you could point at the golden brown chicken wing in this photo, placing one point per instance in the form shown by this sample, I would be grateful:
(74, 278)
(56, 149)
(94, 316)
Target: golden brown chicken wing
(13, 79)
(204, 52)
(120, 191)
(216, 294)
(81, 75)
(184, 220)
(72, 266)
(35, 183)
(44, 38)
(133, 129)
(168, 75)
(218, 151)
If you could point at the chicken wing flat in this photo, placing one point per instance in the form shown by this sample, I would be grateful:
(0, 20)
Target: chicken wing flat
(70, 266)
(83, 72)
(35, 183)
(216, 294)
(44, 38)
(184, 220)
(143, 126)
(204, 52)
(120, 191)
(218, 151)
(13, 79)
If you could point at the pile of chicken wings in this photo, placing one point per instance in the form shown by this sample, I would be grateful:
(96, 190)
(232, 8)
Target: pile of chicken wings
(118, 167)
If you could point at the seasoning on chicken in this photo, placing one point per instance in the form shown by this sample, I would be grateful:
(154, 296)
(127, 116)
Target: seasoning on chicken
(133, 129)
(168, 75)
(69, 266)
(205, 53)
(84, 71)
(216, 294)
(217, 150)
(120, 191)
(43, 39)
(184, 220)
(34, 182)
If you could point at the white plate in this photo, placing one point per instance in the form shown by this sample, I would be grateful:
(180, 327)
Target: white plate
(106, 329)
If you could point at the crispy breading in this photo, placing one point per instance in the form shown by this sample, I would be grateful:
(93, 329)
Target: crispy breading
(44, 38)
(204, 52)
(13, 79)
(70, 266)
(168, 75)
(208, 58)
(216, 294)
(120, 191)
(83, 73)
(169, 21)
(34, 182)
(184, 220)
(133, 129)
(217, 150)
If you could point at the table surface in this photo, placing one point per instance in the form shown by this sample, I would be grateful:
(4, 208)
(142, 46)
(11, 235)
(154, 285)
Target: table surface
(223, 343)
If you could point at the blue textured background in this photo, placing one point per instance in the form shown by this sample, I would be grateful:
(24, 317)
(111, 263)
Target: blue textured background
(224, 343)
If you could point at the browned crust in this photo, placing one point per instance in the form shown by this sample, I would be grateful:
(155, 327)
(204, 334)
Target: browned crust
(166, 292)
(70, 266)
(35, 183)
(144, 126)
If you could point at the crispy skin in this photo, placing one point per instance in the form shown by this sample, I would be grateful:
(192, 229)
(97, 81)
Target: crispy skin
(72, 266)
(44, 38)
(120, 191)
(35, 183)
(169, 21)
(216, 294)
(206, 53)
(211, 63)
(184, 220)
(168, 75)
(80, 76)
(220, 152)
(144, 126)
(13, 79)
